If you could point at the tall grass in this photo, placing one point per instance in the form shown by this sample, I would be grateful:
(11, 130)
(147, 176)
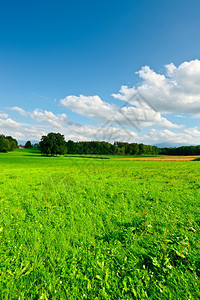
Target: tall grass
(74, 228)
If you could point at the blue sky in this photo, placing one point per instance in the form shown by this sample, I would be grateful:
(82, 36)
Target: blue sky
(63, 64)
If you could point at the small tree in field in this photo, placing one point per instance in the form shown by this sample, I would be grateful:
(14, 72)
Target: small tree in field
(28, 145)
(53, 144)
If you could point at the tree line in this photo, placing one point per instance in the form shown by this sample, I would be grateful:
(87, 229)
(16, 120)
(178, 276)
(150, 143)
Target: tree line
(55, 144)
(7, 143)
(118, 148)
(183, 150)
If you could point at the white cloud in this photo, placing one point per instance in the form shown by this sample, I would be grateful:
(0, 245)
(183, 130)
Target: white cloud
(94, 133)
(57, 121)
(193, 133)
(178, 116)
(3, 116)
(134, 116)
(8, 123)
(47, 117)
(23, 131)
(90, 106)
(47, 121)
(20, 131)
(176, 92)
(19, 110)
(106, 132)
(187, 136)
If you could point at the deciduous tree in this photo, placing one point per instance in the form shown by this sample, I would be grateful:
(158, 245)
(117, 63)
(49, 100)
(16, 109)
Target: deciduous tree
(53, 144)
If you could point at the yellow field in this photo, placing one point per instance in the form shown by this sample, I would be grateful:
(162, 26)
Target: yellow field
(162, 158)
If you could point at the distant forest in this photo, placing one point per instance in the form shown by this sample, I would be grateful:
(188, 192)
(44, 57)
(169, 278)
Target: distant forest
(51, 147)
(120, 148)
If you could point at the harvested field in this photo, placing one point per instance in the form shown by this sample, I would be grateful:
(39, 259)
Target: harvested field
(162, 158)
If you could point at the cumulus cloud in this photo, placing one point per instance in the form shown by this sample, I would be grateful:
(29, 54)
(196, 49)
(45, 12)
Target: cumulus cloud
(178, 91)
(20, 131)
(24, 131)
(187, 136)
(47, 121)
(47, 117)
(8, 123)
(104, 133)
(90, 106)
(134, 116)
(57, 121)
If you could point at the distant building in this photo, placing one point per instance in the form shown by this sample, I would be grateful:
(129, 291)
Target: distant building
(21, 147)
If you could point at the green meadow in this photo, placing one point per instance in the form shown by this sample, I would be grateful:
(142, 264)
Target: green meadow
(91, 228)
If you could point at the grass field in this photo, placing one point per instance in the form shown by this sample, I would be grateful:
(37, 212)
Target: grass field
(74, 228)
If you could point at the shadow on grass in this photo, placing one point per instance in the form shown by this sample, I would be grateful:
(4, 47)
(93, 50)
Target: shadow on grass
(35, 155)
(66, 156)
(85, 156)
